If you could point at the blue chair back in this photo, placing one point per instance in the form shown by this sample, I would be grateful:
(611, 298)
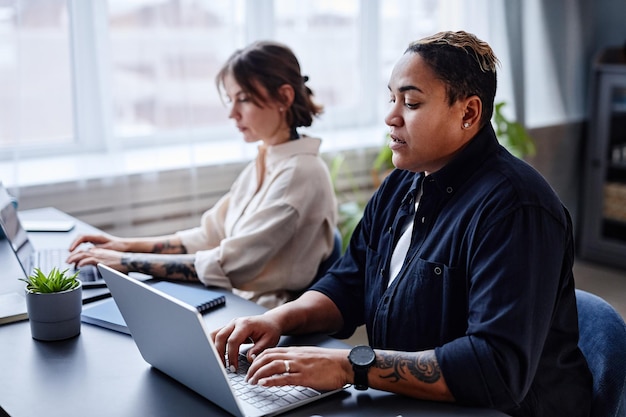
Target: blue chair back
(334, 255)
(603, 342)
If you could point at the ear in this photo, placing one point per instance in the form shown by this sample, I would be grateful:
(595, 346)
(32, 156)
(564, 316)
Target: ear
(473, 111)
(287, 94)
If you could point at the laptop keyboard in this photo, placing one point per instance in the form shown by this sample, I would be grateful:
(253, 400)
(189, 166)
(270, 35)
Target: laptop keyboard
(47, 259)
(52, 258)
(266, 398)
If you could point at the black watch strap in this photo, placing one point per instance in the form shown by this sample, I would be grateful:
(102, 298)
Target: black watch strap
(360, 378)
(361, 358)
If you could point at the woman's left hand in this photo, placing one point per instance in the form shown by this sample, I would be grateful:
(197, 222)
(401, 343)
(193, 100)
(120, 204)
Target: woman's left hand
(318, 368)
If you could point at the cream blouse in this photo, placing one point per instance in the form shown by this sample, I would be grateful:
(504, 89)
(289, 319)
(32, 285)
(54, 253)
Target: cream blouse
(267, 244)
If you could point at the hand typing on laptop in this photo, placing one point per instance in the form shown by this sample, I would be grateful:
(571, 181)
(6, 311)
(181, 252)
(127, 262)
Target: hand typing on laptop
(310, 366)
(163, 257)
(82, 254)
(315, 367)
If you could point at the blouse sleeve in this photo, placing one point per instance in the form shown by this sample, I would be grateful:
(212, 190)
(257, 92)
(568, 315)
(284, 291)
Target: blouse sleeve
(240, 258)
(211, 233)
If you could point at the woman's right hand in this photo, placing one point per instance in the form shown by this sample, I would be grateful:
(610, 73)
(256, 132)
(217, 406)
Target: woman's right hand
(260, 330)
(96, 255)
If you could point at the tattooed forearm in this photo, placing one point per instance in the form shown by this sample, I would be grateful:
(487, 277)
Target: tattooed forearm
(169, 248)
(168, 266)
(422, 366)
(387, 361)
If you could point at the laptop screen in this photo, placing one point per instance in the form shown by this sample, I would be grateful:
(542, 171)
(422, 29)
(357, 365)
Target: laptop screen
(16, 235)
(12, 227)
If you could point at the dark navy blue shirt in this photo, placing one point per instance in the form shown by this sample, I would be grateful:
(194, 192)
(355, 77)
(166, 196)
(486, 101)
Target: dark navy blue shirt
(487, 282)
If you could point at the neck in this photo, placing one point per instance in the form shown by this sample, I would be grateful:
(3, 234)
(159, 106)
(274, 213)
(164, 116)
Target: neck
(281, 138)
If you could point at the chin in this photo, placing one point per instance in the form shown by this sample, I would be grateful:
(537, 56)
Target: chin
(406, 167)
(396, 160)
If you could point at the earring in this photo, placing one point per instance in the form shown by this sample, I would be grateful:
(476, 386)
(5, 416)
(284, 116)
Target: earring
(281, 109)
(466, 125)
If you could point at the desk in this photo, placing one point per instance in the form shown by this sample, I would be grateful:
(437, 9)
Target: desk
(103, 374)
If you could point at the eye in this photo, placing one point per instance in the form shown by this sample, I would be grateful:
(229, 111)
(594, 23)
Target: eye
(411, 106)
(243, 98)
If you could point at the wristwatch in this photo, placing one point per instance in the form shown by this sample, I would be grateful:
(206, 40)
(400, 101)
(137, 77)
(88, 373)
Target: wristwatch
(362, 358)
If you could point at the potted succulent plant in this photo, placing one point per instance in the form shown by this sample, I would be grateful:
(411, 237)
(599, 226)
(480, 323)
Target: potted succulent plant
(54, 304)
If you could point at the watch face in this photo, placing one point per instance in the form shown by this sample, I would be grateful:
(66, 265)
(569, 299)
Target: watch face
(362, 355)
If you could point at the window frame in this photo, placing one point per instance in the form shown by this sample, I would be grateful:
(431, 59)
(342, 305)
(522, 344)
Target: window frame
(90, 63)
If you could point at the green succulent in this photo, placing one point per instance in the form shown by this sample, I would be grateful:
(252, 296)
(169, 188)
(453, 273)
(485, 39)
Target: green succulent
(55, 281)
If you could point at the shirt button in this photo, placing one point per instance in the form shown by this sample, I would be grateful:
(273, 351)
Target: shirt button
(437, 270)
(449, 190)
(423, 220)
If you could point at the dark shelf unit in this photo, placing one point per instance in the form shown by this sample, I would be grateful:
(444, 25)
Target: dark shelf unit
(603, 226)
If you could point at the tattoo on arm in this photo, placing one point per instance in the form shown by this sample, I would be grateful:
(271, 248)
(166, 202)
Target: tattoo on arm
(169, 248)
(423, 366)
(162, 266)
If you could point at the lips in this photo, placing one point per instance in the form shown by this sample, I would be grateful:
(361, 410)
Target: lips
(397, 140)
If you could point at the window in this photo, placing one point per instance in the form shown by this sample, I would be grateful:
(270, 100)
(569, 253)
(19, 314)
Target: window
(36, 107)
(326, 38)
(101, 76)
(164, 59)
(139, 73)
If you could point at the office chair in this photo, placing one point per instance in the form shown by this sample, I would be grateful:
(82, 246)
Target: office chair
(334, 255)
(603, 342)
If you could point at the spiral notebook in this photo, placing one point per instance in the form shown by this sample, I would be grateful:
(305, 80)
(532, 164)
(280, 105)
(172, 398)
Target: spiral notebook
(106, 314)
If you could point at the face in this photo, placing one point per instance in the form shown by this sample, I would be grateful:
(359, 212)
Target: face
(425, 131)
(267, 123)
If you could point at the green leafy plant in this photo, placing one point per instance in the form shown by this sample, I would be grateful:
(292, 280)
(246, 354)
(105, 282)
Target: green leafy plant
(55, 281)
(383, 159)
(512, 135)
(351, 211)
(350, 214)
(383, 164)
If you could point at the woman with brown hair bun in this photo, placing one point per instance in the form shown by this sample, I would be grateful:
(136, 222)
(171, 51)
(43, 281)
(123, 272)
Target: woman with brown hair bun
(267, 236)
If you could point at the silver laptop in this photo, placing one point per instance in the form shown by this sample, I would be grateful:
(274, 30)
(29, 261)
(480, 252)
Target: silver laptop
(45, 259)
(162, 326)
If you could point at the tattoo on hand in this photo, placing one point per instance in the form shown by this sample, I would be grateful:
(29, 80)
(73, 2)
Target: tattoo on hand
(424, 367)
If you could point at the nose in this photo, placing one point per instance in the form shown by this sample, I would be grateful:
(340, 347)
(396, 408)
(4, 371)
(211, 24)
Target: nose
(234, 113)
(393, 117)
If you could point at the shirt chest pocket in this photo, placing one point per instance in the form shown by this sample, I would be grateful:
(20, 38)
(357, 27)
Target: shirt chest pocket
(437, 296)
(428, 280)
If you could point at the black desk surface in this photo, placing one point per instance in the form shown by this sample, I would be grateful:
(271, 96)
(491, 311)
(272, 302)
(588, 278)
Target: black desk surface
(101, 373)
